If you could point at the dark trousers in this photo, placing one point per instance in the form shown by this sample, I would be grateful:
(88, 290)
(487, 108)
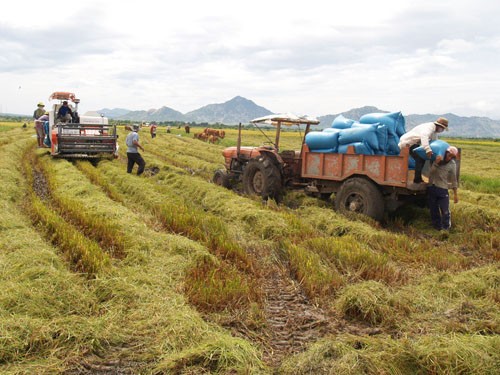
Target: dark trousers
(439, 204)
(135, 157)
(419, 164)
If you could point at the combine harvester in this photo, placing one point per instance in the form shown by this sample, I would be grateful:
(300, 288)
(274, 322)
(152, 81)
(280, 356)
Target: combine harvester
(85, 137)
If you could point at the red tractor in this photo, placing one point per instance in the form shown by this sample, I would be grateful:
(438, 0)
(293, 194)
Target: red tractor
(367, 184)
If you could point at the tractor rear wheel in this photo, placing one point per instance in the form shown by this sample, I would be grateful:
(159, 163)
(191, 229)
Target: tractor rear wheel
(262, 177)
(361, 196)
(221, 178)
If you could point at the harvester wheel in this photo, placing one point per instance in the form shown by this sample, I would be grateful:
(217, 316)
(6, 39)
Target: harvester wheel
(221, 178)
(361, 196)
(262, 177)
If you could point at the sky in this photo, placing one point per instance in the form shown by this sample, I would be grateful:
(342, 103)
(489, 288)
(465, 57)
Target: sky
(305, 57)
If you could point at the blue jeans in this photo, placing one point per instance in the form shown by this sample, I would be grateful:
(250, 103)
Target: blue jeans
(439, 205)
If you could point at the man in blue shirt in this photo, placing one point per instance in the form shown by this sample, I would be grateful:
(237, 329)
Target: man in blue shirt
(65, 114)
(133, 156)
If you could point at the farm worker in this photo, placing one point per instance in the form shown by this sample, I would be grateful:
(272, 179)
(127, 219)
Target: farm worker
(65, 114)
(421, 135)
(39, 111)
(44, 122)
(168, 128)
(442, 172)
(39, 126)
(152, 129)
(133, 155)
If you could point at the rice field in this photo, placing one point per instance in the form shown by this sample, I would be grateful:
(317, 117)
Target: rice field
(104, 272)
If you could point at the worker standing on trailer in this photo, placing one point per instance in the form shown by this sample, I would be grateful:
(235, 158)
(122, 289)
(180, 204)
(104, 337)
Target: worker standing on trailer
(441, 173)
(421, 135)
(133, 155)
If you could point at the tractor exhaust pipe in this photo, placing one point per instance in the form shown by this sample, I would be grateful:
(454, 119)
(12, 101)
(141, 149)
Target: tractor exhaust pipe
(238, 142)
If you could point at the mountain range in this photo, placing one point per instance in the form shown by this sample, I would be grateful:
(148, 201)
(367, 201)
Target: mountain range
(243, 110)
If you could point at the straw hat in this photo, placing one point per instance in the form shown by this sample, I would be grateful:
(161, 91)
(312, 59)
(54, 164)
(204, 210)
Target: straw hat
(443, 122)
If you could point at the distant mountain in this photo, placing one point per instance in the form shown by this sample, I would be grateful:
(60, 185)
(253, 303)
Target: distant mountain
(113, 113)
(354, 114)
(162, 114)
(231, 112)
(470, 127)
(243, 110)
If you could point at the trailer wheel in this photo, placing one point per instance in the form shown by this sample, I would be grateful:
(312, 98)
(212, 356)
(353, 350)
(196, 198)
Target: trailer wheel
(361, 196)
(262, 177)
(221, 178)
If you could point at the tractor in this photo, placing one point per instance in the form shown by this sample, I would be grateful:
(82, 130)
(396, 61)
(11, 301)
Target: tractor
(366, 184)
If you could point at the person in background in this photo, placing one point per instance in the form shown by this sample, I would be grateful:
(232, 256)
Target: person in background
(133, 156)
(43, 122)
(152, 129)
(421, 135)
(169, 128)
(65, 114)
(39, 111)
(441, 173)
(39, 128)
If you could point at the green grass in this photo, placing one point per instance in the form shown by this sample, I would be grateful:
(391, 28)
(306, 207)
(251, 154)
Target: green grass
(180, 257)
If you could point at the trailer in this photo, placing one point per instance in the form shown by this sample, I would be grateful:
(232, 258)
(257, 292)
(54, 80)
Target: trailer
(366, 184)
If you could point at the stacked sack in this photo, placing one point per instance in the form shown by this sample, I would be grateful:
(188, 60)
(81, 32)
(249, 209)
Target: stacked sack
(438, 148)
(374, 134)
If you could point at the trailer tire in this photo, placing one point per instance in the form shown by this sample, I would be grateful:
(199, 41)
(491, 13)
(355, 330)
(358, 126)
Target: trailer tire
(362, 196)
(221, 178)
(262, 177)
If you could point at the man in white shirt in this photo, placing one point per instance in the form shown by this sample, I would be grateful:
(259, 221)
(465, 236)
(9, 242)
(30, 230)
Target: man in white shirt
(421, 135)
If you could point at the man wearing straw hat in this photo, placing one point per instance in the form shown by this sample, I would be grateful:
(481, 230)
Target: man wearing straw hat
(421, 135)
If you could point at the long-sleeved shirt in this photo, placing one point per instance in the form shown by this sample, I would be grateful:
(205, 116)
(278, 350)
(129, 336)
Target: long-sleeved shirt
(421, 134)
(38, 112)
(441, 174)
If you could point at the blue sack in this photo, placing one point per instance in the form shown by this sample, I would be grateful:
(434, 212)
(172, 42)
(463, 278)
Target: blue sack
(395, 121)
(341, 122)
(322, 140)
(367, 134)
(382, 135)
(46, 130)
(438, 148)
(359, 148)
(392, 144)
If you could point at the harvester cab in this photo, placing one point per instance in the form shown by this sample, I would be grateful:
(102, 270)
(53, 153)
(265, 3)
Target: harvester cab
(89, 136)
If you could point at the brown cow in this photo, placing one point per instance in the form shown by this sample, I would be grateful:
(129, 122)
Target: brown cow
(213, 139)
(217, 133)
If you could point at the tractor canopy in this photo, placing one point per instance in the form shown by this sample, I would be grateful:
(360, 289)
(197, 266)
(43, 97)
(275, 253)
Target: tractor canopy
(287, 119)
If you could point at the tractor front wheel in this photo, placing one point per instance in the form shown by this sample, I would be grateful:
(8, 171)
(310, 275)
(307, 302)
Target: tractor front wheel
(361, 196)
(262, 177)
(221, 178)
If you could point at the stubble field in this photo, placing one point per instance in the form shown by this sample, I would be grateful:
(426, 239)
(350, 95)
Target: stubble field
(103, 272)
